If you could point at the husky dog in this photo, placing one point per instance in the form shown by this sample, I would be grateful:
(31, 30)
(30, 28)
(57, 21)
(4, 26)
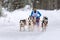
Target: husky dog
(34, 20)
(22, 24)
(44, 23)
(30, 23)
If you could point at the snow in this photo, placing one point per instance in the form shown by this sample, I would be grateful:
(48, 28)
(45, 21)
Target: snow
(9, 26)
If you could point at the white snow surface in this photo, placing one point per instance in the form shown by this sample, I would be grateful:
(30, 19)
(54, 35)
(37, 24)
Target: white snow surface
(9, 26)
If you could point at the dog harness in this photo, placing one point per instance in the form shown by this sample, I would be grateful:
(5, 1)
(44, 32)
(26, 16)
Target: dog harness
(35, 14)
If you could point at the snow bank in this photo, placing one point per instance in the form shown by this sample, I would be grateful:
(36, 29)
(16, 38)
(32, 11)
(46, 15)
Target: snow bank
(19, 14)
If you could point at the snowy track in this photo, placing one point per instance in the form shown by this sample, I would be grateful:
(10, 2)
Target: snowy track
(9, 29)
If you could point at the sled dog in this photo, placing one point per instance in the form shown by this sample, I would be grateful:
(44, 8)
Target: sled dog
(44, 23)
(22, 24)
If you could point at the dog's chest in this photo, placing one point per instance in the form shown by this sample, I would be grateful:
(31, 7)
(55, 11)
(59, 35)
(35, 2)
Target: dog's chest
(21, 24)
(45, 21)
(30, 22)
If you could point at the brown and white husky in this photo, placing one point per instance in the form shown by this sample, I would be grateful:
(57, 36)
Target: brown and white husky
(22, 24)
(31, 23)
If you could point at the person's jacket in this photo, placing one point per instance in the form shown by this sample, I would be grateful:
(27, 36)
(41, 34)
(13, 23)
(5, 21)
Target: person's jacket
(37, 14)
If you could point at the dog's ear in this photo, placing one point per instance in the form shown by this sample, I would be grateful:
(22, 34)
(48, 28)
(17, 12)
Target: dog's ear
(20, 21)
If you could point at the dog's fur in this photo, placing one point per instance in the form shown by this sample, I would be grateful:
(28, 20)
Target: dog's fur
(44, 23)
(30, 23)
(34, 20)
(22, 24)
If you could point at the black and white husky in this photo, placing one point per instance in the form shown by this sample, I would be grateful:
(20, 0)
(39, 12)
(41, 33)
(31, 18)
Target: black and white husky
(44, 23)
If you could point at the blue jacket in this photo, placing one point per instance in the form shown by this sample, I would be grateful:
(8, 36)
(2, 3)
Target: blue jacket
(38, 14)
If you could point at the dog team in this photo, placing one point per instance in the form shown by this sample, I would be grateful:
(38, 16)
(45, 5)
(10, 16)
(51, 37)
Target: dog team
(31, 22)
(34, 19)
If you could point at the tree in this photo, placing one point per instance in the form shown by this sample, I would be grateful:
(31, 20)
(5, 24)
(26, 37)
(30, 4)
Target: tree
(0, 8)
